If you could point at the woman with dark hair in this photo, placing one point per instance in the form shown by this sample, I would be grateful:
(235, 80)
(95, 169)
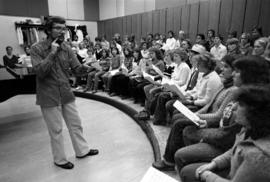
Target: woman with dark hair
(144, 50)
(214, 141)
(114, 66)
(249, 159)
(186, 45)
(170, 42)
(119, 82)
(210, 38)
(256, 33)
(156, 59)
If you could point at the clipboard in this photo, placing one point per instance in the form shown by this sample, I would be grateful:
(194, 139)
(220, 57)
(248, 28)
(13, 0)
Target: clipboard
(188, 113)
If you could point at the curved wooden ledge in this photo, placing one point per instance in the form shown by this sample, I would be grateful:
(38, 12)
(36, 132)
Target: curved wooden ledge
(147, 129)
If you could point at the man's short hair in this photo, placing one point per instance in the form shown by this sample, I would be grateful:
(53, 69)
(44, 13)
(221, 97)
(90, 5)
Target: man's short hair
(51, 20)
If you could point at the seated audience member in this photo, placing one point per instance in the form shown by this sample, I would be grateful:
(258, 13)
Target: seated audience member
(169, 63)
(104, 43)
(115, 65)
(75, 42)
(25, 60)
(132, 40)
(218, 50)
(210, 38)
(186, 45)
(156, 59)
(245, 44)
(212, 141)
(249, 159)
(104, 63)
(165, 102)
(10, 60)
(181, 38)
(260, 46)
(156, 38)
(208, 84)
(233, 47)
(82, 51)
(256, 33)
(91, 61)
(170, 42)
(135, 76)
(137, 56)
(200, 39)
(120, 81)
(88, 43)
(144, 50)
(150, 103)
(149, 40)
(126, 42)
(98, 51)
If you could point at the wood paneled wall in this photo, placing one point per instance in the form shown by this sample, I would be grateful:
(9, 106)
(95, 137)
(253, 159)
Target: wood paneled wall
(195, 16)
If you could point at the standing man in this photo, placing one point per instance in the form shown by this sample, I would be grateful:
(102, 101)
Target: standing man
(52, 61)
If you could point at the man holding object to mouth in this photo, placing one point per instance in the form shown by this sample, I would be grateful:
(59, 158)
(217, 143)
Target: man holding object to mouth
(52, 61)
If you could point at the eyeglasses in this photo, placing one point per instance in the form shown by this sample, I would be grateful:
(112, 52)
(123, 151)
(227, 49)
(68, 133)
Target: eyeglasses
(60, 28)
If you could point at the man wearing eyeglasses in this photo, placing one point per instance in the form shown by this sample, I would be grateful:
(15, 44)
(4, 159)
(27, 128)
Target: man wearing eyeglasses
(52, 61)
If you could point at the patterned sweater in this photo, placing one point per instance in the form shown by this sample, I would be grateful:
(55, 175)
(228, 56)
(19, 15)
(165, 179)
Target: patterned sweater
(212, 112)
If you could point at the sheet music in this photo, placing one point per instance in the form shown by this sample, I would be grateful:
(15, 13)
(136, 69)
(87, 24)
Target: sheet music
(157, 70)
(96, 65)
(146, 75)
(173, 87)
(166, 81)
(113, 72)
(188, 113)
(154, 175)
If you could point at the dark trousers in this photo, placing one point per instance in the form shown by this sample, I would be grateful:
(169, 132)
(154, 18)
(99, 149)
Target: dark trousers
(160, 110)
(119, 85)
(175, 140)
(199, 152)
(139, 91)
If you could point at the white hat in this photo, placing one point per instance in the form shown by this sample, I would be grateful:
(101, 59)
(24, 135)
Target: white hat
(198, 48)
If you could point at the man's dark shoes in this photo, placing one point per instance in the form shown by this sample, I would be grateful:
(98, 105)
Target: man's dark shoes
(162, 166)
(90, 153)
(67, 165)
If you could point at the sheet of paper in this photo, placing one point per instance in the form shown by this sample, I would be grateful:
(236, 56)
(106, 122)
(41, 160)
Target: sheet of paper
(188, 113)
(178, 90)
(154, 175)
(146, 75)
(113, 72)
(96, 65)
(158, 70)
(166, 81)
